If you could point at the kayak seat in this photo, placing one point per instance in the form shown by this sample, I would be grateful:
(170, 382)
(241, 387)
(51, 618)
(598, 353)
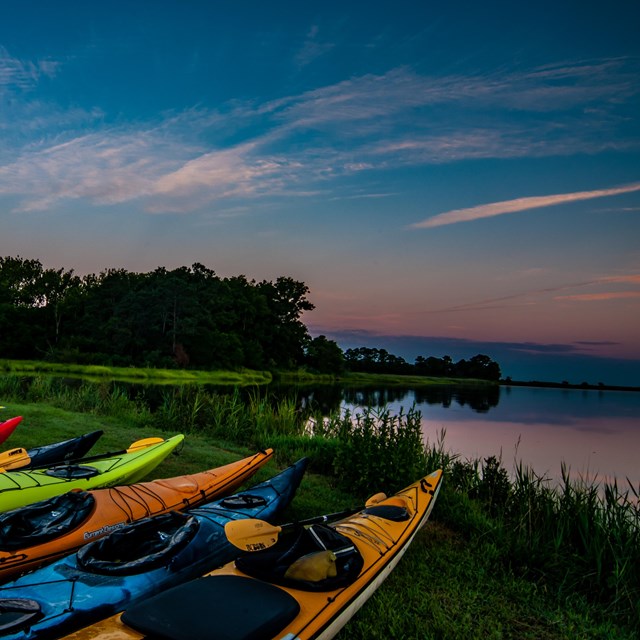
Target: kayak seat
(280, 564)
(72, 472)
(234, 608)
(144, 545)
(44, 521)
(18, 614)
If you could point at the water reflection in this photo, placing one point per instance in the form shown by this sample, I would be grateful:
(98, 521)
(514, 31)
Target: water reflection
(332, 398)
(480, 400)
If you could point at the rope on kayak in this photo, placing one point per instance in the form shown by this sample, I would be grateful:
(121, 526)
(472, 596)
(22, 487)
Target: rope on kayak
(367, 534)
(64, 612)
(124, 497)
(68, 609)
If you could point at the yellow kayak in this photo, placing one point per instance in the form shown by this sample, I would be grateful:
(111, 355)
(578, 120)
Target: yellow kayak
(301, 590)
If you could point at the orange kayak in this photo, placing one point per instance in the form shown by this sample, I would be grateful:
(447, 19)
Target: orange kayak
(43, 531)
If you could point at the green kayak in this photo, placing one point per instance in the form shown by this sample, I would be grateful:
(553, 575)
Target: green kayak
(19, 488)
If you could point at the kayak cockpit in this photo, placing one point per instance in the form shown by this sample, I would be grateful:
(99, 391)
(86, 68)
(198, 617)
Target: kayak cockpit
(319, 559)
(142, 546)
(44, 521)
(72, 472)
(18, 614)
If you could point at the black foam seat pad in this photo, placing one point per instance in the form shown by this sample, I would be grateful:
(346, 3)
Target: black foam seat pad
(215, 608)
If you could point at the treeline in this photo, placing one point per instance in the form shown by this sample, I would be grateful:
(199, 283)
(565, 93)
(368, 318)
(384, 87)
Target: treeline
(185, 317)
(368, 360)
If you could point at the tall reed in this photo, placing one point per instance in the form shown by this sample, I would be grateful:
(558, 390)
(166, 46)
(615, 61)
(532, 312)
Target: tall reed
(573, 537)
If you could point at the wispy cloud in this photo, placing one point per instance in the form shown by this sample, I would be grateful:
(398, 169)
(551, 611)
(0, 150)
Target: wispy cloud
(632, 278)
(105, 169)
(301, 143)
(314, 47)
(597, 297)
(23, 74)
(517, 205)
(531, 296)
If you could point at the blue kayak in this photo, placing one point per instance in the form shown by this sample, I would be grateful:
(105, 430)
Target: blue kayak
(135, 562)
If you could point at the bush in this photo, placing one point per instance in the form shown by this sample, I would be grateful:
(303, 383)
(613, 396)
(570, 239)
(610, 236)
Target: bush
(378, 451)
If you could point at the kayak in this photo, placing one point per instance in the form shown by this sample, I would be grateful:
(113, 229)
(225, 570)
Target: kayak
(41, 532)
(135, 562)
(19, 488)
(67, 452)
(301, 590)
(50, 454)
(8, 427)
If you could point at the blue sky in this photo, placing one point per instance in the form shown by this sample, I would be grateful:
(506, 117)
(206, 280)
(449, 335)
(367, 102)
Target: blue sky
(447, 180)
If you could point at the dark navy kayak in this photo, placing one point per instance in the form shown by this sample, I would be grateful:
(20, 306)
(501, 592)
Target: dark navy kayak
(58, 452)
(135, 562)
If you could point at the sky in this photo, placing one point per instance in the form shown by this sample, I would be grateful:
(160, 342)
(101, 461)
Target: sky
(446, 178)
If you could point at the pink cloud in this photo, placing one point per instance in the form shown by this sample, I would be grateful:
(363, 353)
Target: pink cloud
(611, 295)
(519, 204)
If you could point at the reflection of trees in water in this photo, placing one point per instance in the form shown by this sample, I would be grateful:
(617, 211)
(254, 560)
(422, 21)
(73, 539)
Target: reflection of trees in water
(328, 399)
(374, 396)
(323, 400)
(480, 400)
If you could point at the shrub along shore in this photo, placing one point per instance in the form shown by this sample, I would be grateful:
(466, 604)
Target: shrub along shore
(502, 556)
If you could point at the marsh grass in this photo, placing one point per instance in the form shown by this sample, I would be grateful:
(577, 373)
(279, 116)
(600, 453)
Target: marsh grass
(575, 537)
(376, 448)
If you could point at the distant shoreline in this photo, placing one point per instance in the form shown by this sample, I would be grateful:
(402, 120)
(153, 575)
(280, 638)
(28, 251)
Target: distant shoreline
(567, 385)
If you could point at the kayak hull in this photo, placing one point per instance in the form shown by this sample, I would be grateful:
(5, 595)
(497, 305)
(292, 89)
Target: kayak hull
(111, 509)
(71, 593)
(19, 488)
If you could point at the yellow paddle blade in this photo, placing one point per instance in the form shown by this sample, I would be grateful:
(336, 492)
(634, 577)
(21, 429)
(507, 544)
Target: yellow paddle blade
(251, 534)
(14, 458)
(141, 444)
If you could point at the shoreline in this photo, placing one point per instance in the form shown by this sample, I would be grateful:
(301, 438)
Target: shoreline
(566, 385)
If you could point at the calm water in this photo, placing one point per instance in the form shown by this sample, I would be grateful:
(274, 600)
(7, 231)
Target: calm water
(596, 433)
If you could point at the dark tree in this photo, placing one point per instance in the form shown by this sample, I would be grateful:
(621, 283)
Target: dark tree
(325, 356)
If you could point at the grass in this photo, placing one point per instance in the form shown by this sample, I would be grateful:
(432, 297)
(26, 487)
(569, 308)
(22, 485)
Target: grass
(303, 377)
(448, 587)
(500, 557)
(98, 373)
